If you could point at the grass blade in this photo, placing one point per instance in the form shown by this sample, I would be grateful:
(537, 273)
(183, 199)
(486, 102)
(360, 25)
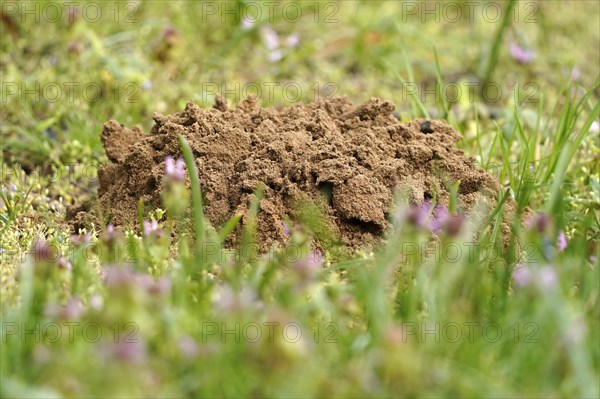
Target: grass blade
(197, 205)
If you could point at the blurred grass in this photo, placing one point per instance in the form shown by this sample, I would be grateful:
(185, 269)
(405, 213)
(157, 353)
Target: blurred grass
(359, 312)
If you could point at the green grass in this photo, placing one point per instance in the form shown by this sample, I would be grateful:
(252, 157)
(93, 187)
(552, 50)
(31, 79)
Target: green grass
(382, 322)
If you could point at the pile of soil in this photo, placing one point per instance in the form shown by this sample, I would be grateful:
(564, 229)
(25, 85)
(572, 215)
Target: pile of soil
(351, 158)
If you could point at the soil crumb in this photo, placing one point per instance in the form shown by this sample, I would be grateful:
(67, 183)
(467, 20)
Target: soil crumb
(349, 158)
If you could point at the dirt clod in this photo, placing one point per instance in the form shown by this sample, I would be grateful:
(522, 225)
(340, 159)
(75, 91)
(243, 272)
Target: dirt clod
(426, 127)
(350, 158)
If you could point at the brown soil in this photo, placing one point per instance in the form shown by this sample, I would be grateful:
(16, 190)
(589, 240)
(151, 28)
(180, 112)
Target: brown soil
(359, 154)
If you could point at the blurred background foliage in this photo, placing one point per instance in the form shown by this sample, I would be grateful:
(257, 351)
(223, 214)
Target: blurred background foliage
(63, 75)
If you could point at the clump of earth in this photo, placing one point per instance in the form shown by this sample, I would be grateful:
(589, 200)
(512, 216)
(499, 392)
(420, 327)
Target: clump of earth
(349, 158)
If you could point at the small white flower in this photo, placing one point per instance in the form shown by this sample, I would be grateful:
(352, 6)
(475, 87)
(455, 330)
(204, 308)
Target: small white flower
(270, 38)
(293, 40)
(275, 55)
(248, 23)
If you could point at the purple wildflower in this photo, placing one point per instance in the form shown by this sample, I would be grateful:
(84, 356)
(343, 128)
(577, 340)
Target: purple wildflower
(544, 277)
(547, 277)
(74, 47)
(64, 264)
(155, 287)
(151, 228)
(42, 252)
(175, 170)
(188, 346)
(309, 265)
(435, 219)
(110, 235)
(286, 229)
(129, 350)
(143, 280)
(162, 286)
(439, 218)
(575, 74)
(169, 32)
(561, 241)
(522, 275)
(418, 214)
(81, 239)
(73, 310)
(540, 221)
(521, 55)
(228, 300)
(118, 276)
(292, 40)
(126, 277)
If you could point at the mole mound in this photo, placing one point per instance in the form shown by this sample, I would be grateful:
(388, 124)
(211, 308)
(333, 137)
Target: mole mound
(351, 158)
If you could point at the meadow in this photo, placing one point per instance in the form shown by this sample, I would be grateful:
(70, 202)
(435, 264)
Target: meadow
(464, 309)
